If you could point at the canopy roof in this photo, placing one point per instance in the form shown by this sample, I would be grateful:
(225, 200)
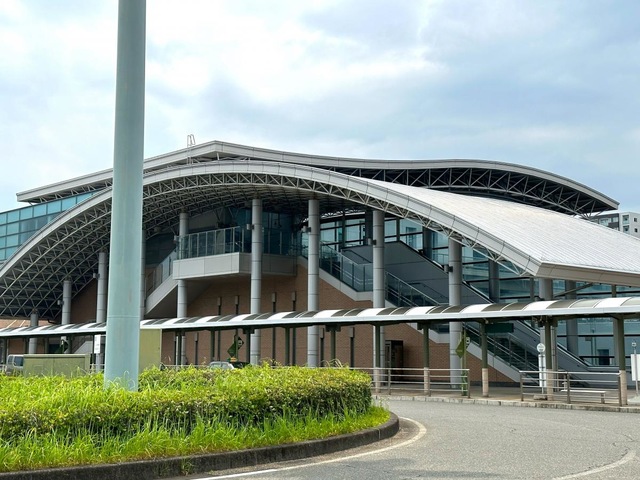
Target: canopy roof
(465, 176)
(562, 309)
(531, 240)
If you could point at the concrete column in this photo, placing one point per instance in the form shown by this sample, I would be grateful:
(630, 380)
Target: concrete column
(182, 293)
(377, 237)
(571, 324)
(313, 303)
(256, 276)
(101, 301)
(545, 291)
(485, 358)
(143, 264)
(33, 341)
(550, 378)
(621, 359)
(378, 259)
(427, 242)
(101, 306)
(494, 281)
(123, 313)
(455, 295)
(66, 302)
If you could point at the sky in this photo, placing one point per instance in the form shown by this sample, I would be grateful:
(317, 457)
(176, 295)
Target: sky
(547, 84)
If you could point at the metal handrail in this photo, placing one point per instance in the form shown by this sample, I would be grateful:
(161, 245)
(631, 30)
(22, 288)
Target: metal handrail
(160, 273)
(502, 352)
(567, 386)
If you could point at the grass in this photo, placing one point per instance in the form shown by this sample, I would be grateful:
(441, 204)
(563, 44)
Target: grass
(65, 422)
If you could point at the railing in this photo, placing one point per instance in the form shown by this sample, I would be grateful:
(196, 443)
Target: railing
(159, 274)
(423, 381)
(402, 294)
(507, 354)
(355, 275)
(234, 240)
(571, 387)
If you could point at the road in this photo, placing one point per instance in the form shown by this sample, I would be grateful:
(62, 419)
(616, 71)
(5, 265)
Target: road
(466, 441)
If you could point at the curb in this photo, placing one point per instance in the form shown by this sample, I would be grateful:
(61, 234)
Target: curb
(180, 466)
(511, 403)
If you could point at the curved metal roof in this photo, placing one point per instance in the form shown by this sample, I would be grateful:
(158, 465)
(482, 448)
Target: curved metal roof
(474, 177)
(538, 242)
(628, 307)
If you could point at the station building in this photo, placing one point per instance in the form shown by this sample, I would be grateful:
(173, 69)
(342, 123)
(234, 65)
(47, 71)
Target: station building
(231, 230)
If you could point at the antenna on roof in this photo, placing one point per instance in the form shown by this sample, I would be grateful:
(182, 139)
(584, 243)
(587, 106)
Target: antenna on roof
(191, 142)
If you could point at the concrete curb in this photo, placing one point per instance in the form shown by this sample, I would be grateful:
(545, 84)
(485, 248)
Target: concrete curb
(180, 466)
(511, 403)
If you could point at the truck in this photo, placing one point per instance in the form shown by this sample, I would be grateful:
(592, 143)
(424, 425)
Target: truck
(69, 365)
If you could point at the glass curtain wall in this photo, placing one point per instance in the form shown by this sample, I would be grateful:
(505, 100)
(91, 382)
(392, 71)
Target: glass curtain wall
(17, 226)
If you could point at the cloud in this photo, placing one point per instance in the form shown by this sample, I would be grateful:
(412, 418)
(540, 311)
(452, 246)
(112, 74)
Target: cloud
(541, 83)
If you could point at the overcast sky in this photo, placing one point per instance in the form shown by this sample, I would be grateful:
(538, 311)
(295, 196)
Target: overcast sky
(549, 84)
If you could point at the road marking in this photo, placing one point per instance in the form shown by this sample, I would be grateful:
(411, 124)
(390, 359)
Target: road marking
(627, 458)
(421, 433)
(238, 475)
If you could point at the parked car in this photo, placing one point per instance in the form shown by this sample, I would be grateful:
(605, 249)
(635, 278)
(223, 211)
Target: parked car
(14, 365)
(222, 365)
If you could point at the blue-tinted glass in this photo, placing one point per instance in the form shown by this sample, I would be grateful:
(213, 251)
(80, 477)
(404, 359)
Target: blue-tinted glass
(26, 213)
(3, 230)
(328, 236)
(13, 228)
(407, 226)
(353, 233)
(3, 242)
(3, 218)
(390, 228)
(25, 236)
(439, 240)
(67, 203)
(9, 251)
(13, 240)
(13, 216)
(54, 207)
(28, 225)
(3, 254)
(40, 209)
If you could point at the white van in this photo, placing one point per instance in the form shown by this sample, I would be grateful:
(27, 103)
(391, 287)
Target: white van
(15, 365)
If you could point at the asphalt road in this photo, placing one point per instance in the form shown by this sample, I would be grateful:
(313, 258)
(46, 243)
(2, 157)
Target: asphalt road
(467, 441)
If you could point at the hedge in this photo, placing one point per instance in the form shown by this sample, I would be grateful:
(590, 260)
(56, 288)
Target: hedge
(176, 399)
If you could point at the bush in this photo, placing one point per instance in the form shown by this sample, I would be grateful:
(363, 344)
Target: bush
(177, 400)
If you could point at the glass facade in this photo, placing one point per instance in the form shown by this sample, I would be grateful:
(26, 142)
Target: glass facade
(17, 226)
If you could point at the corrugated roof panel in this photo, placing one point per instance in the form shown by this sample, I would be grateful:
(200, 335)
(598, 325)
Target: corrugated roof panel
(514, 306)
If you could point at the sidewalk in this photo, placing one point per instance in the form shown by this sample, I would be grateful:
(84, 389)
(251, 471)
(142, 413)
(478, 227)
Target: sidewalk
(511, 396)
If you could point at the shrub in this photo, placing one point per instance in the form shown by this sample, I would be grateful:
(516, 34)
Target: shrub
(177, 400)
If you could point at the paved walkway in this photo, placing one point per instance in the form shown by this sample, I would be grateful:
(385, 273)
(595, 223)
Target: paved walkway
(511, 396)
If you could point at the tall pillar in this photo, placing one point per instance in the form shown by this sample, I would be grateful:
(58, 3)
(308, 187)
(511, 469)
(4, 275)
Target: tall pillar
(143, 264)
(621, 359)
(33, 341)
(66, 310)
(485, 358)
(101, 307)
(101, 300)
(545, 291)
(182, 302)
(455, 298)
(427, 242)
(123, 313)
(571, 324)
(548, 342)
(313, 299)
(494, 281)
(377, 237)
(256, 276)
